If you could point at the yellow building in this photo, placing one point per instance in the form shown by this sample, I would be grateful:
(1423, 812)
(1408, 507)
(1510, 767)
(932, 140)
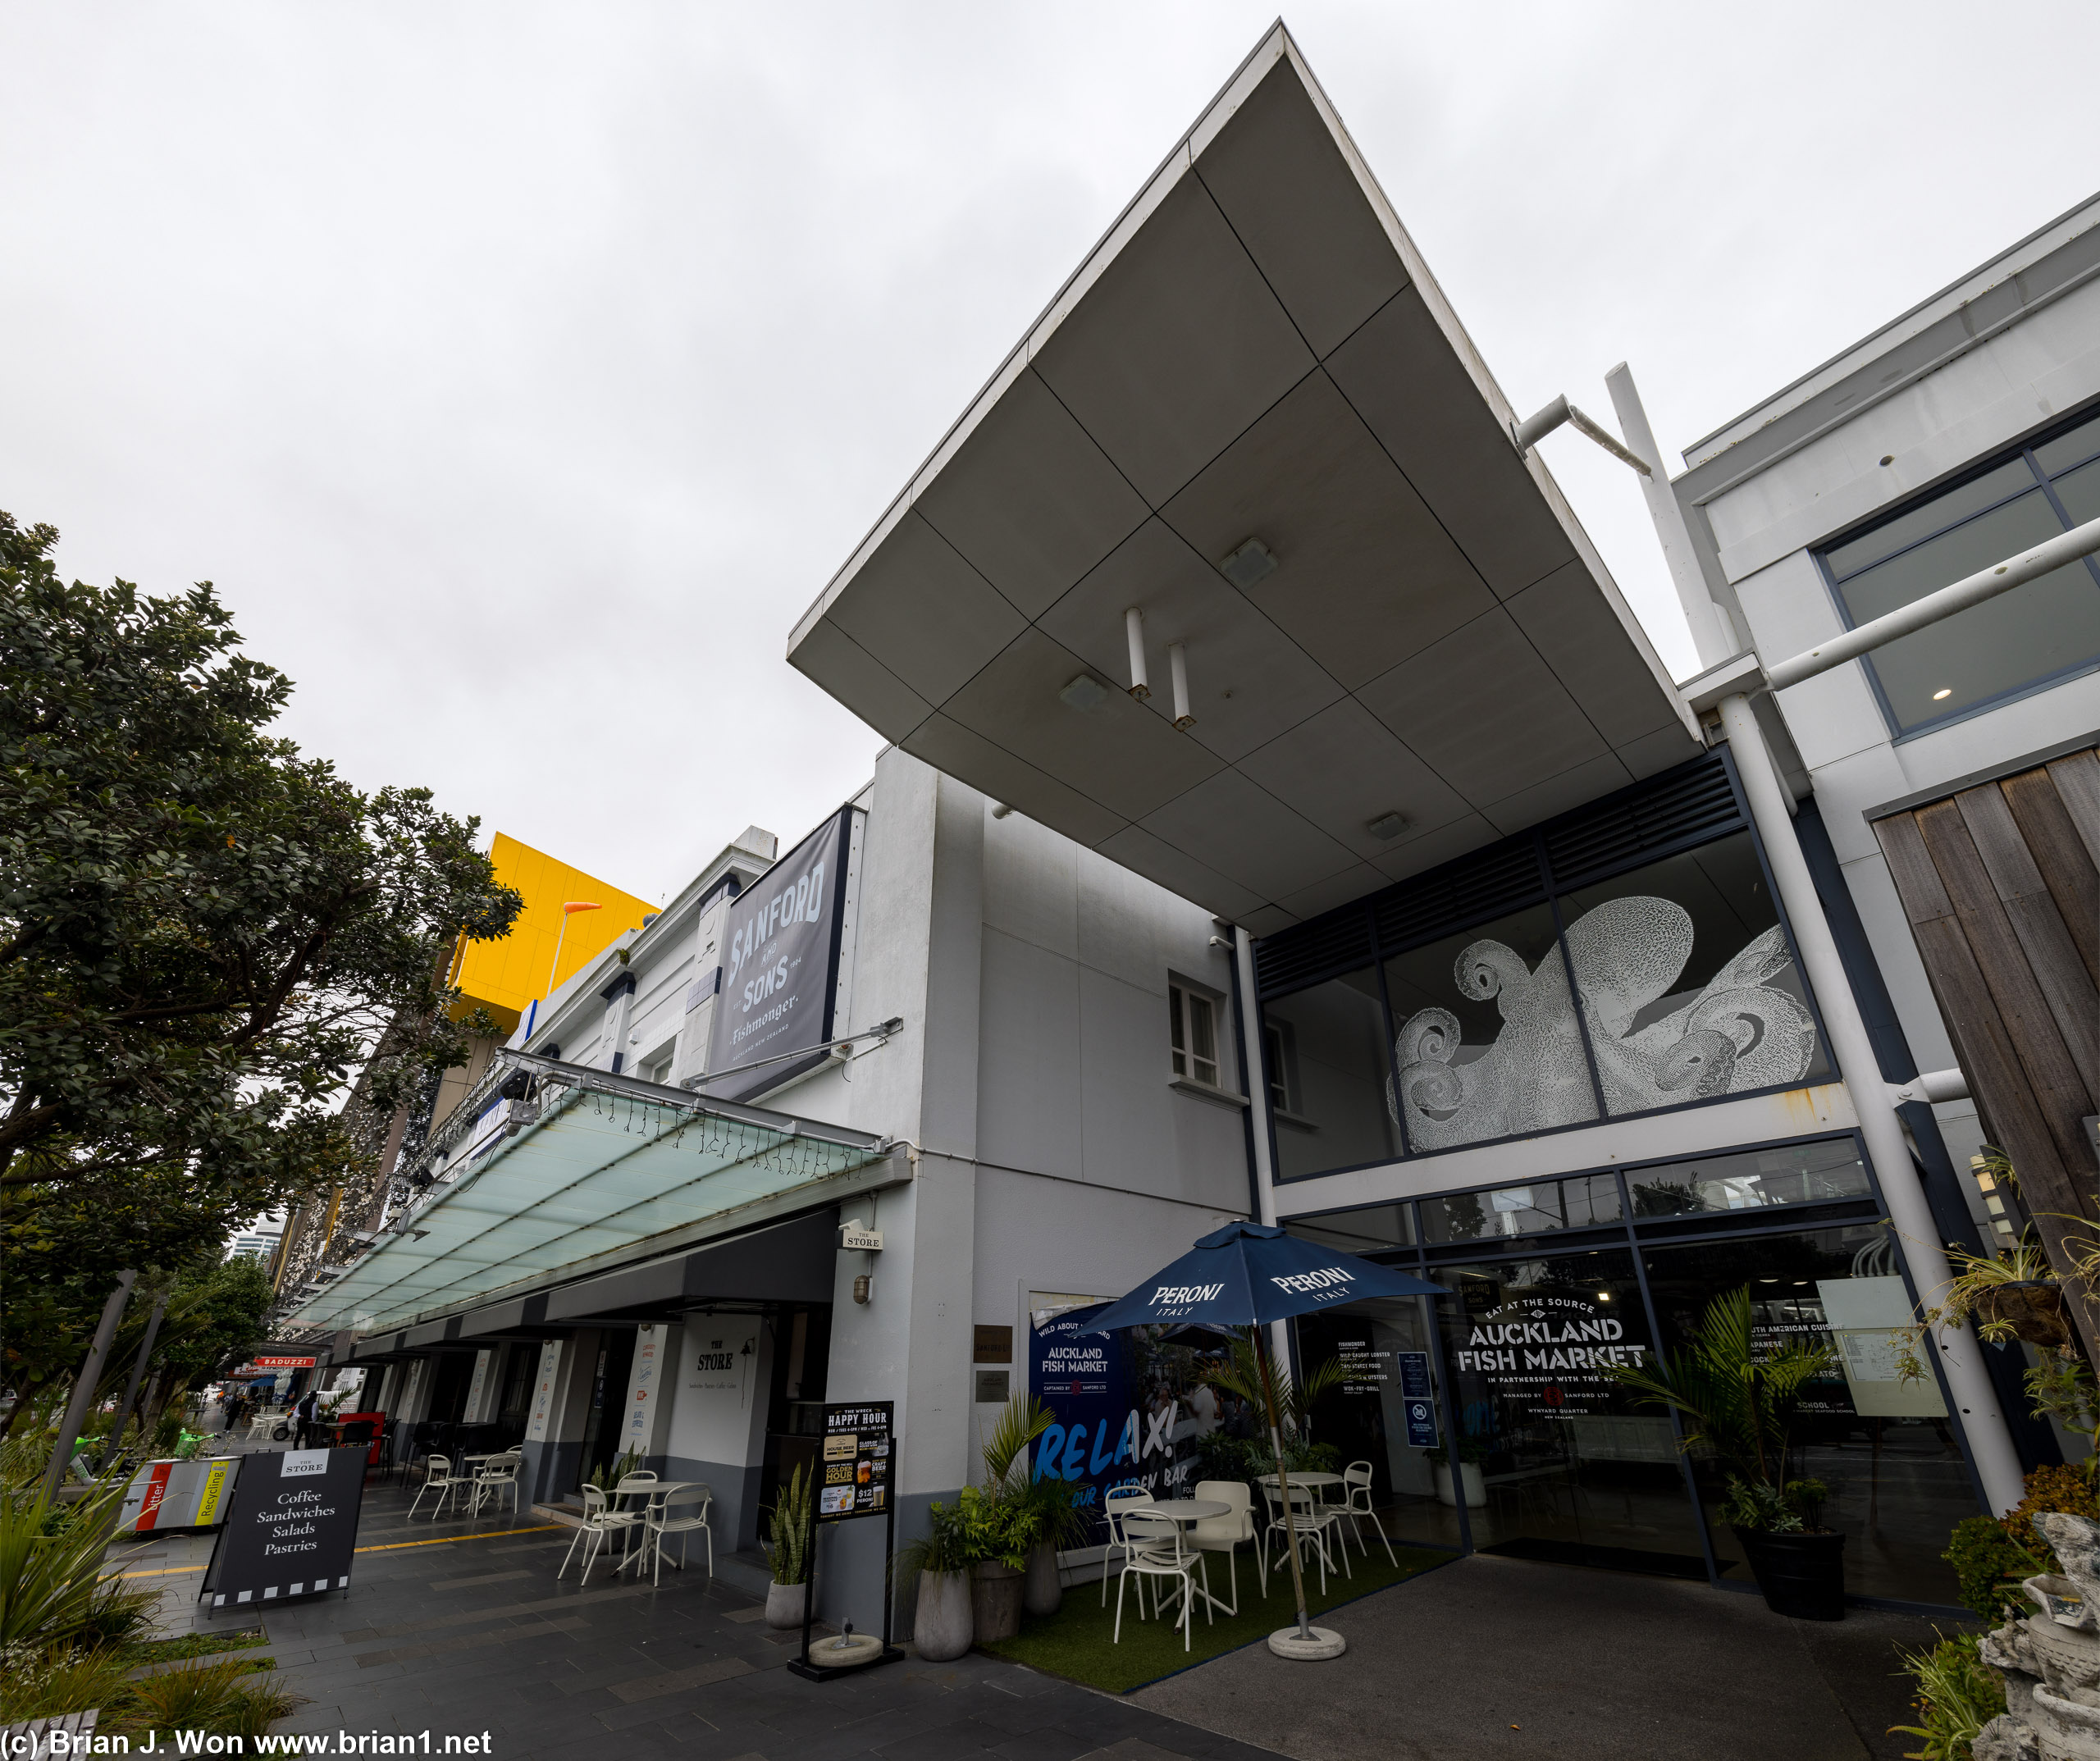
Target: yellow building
(504, 977)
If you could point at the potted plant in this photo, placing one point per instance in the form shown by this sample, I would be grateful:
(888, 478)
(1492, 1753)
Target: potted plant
(944, 1626)
(788, 1548)
(1040, 1514)
(1741, 1405)
(998, 1529)
(1472, 1454)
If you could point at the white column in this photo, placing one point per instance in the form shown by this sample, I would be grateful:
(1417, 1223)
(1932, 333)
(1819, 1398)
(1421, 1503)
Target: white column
(1257, 1090)
(1997, 1463)
(1710, 634)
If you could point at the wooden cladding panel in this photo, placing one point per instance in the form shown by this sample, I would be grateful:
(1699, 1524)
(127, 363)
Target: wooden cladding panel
(2001, 886)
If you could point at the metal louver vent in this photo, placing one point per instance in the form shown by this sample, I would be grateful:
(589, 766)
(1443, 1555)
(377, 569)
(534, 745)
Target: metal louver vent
(1485, 885)
(1693, 802)
(1339, 942)
(1684, 806)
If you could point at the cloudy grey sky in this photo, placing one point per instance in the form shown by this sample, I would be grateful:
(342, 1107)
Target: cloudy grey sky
(520, 373)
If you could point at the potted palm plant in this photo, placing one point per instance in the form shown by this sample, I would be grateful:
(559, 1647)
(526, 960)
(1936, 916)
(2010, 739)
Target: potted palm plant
(788, 1548)
(1741, 1405)
(944, 1626)
(1040, 1514)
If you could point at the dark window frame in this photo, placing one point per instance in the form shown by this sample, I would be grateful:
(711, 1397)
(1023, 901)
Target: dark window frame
(1550, 887)
(1833, 584)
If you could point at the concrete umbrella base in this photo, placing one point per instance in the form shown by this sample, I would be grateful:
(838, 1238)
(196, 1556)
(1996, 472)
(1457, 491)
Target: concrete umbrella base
(1321, 1645)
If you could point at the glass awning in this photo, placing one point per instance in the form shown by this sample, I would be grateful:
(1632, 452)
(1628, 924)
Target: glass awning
(577, 1165)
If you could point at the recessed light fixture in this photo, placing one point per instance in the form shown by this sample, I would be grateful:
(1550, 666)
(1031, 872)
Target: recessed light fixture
(1604, 1296)
(1084, 692)
(1251, 561)
(1388, 825)
(1945, 691)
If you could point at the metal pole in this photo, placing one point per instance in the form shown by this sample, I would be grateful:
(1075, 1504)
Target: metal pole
(1709, 633)
(131, 1387)
(1258, 1091)
(84, 1385)
(1265, 1366)
(1997, 1463)
(1974, 590)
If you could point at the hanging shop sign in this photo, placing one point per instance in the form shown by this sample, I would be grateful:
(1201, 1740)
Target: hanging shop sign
(855, 1481)
(283, 1361)
(780, 966)
(291, 1528)
(1548, 1353)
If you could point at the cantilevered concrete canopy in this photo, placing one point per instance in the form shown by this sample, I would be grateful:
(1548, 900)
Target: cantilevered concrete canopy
(1256, 350)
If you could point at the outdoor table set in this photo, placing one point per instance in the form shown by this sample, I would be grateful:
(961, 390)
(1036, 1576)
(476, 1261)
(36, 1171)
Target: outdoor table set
(664, 1507)
(485, 1478)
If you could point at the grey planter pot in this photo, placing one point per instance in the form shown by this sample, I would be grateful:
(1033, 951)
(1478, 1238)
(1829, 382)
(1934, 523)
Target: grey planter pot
(783, 1604)
(1045, 1593)
(945, 1626)
(995, 1593)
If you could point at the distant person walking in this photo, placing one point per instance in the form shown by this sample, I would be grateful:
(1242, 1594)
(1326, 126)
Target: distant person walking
(305, 1413)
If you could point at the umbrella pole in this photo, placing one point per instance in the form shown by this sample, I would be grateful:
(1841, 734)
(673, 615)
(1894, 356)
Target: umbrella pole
(1283, 1483)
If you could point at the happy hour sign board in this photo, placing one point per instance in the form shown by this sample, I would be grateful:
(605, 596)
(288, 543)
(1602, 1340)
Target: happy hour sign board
(292, 1528)
(854, 1476)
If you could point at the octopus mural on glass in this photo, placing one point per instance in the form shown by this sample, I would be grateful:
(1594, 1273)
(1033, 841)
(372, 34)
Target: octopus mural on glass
(1740, 1033)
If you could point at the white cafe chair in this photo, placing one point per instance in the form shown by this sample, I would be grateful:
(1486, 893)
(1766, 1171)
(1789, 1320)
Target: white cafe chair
(601, 1523)
(1313, 1520)
(1223, 1534)
(1356, 1478)
(495, 1476)
(438, 1478)
(1113, 1503)
(1160, 1552)
(661, 1519)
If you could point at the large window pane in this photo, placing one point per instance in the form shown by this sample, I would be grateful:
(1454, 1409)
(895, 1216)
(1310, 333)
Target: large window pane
(1941, 512)
(2067, 449)
(2080, 491)
(1582, 1202)
(2027, 634)
(1374, 1229)
(1488, 1045)
(1794, 1173)
(1327, 1076)
(1884, 1446)
(1565, 1465)
(1688, 981)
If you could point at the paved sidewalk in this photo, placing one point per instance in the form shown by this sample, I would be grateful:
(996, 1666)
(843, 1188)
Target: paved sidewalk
(1487, 1658)
(475, 1634)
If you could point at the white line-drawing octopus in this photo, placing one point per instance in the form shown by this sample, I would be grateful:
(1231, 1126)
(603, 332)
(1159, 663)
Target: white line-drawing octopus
(1739, 1033)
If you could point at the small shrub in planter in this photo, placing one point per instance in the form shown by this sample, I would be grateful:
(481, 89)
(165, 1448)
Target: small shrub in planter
(1741, 1405)
(788, 1548)
(945, 1625)
(1957, 1694)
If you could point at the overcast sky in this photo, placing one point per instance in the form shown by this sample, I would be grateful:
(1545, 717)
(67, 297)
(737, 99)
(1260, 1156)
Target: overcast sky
(520, 374)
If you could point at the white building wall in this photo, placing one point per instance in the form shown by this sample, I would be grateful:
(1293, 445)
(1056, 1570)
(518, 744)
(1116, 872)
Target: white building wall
(2046, 365)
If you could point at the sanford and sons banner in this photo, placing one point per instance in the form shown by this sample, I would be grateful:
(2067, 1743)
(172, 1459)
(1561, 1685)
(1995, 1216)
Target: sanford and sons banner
(1128, 1408)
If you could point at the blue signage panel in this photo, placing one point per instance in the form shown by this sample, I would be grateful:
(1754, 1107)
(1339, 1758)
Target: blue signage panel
(1417, 1399)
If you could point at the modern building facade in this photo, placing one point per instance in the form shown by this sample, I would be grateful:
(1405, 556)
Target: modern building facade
(1285, 816)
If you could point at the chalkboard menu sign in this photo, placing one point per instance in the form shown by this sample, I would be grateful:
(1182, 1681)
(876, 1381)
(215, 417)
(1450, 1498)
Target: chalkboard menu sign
(856, 1462)
(292, 1527)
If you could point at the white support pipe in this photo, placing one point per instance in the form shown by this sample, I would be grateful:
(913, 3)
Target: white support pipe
(1709, 624)
(1177, 664)
(1258, 1092)
(1134, 627)
(1930, 1087)
(1997, 1464)
(1985, 584)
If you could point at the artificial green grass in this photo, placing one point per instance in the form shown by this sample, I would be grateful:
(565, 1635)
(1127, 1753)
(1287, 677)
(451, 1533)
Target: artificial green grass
(1075, 1641)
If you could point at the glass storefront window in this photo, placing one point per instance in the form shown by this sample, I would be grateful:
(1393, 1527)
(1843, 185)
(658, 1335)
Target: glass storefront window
(1688, 985)
(1328, 1076)
(1558, 1462)
(1375, 1229)
(1579, 1203)
(1885, 1447)
(1388, 1411)
(1793, 1174)
(1487, 1043)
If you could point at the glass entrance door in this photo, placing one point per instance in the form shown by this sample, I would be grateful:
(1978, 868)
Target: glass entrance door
(1555, 1460)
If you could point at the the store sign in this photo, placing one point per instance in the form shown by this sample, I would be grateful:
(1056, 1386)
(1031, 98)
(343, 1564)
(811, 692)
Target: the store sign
(1417, 1399)
(291, 1529)
(856, 1462)
(868, 1240)
(781, 966)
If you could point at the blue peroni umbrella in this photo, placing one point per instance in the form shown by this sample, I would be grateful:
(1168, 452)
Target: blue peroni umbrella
(1246, 1274)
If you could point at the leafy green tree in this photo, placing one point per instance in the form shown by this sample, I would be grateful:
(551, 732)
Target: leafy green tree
(203, 935)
